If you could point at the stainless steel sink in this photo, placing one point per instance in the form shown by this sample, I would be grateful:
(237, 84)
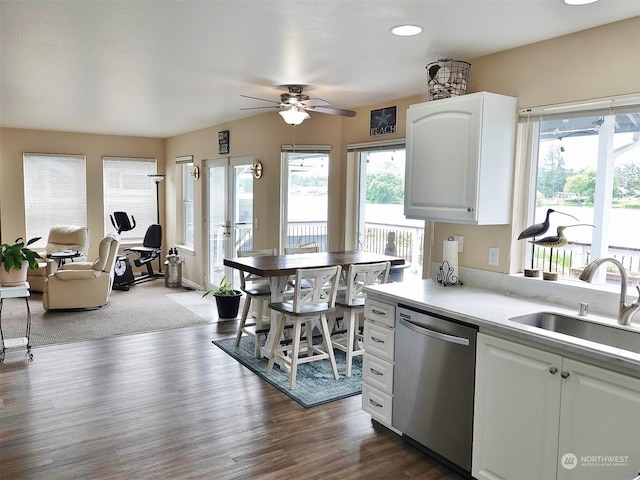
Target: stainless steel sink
(576, 327)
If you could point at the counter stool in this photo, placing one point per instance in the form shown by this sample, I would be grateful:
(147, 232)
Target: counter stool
(309, 307)
(256, 288)
(352, 302)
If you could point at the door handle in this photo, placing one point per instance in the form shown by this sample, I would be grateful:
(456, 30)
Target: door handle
(434, 334)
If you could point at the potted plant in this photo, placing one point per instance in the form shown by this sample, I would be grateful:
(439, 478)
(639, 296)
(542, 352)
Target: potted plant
(16, 260)
(227, 299)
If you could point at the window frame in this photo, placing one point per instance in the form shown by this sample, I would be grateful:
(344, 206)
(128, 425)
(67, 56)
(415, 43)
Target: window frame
(529, 141)
(187, 204)
(286, 151)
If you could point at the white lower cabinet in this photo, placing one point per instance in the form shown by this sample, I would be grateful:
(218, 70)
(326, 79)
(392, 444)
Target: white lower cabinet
(539, 415)
(377, 361)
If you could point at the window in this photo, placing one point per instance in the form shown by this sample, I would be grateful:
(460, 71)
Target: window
(381, 224)
(188, 181)
(128, 188)
(55, 193)
(305, 190)
(587, 165)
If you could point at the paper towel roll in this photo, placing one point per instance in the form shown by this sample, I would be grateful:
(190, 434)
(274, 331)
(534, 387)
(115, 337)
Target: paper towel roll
(450, 255)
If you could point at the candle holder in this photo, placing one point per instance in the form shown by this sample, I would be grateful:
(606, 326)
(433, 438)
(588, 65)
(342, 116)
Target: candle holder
(445, 276)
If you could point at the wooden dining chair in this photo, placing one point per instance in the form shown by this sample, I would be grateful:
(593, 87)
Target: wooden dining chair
(258, 289)
(351, 301)
(309, 307)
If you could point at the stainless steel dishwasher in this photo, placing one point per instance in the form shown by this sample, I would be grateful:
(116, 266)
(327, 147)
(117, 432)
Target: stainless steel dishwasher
(434, 377)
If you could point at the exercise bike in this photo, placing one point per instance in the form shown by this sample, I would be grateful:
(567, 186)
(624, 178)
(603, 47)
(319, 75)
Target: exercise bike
(150, 250)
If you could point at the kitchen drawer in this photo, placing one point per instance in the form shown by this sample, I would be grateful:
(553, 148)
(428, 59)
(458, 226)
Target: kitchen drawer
(377, 404)
(378, 373)
(378, 340)
(379, 312)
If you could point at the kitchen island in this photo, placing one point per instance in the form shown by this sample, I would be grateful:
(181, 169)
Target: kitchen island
(546, 405)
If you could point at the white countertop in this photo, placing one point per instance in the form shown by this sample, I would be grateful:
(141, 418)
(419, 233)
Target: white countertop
(490, 311)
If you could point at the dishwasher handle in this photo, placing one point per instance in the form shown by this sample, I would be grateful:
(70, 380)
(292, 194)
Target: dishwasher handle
(434, 334)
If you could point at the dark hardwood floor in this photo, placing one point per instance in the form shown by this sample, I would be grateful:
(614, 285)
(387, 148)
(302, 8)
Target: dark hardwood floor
(171, 405)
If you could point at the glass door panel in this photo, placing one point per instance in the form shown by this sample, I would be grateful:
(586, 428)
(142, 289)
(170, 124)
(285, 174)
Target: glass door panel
(229, 215)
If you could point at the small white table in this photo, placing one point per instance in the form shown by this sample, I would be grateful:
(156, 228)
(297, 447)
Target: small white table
(21, 291)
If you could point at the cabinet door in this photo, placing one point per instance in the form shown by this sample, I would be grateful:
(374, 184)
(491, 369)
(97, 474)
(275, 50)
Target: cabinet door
(443, 143)
(517, 407)
(599, 424)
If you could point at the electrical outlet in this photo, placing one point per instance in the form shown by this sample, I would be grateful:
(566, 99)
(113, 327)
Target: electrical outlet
(494, 253)
(460, 240)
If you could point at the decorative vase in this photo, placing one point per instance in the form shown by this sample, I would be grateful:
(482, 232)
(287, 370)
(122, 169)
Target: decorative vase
(228, 305)
(13, 277)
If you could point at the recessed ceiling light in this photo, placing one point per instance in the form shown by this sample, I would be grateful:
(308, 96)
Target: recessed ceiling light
(406, 30)
(579, 2)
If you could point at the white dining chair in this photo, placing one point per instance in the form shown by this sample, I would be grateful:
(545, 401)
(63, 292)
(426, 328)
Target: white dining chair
(311, 247)
(308, 248)
(258, 289)
(351, 301)
(308, 308)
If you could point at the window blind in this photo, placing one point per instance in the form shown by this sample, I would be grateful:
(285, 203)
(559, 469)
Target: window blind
(55, 193)
(128, 188)
(597, 107)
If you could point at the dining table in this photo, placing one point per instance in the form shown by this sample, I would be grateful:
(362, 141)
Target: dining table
(279, 269)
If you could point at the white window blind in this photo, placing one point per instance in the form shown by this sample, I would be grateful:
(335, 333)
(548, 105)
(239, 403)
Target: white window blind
(128, 188)
(55, 193)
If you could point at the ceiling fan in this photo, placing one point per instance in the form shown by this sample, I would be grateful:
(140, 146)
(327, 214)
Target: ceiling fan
(294, 105)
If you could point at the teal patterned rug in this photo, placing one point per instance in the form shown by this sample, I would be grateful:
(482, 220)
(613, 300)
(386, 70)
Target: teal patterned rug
(315, 384)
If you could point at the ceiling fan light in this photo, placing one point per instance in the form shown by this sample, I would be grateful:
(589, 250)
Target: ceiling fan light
(579, 2)
(406, 30)
(293, 115)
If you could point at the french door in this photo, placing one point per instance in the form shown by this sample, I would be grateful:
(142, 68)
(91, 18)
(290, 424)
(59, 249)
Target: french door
(229, 215)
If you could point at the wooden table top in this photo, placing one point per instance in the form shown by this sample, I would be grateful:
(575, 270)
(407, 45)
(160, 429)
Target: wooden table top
(280, 265)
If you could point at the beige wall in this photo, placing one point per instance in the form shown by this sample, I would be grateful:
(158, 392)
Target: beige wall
(15, 142)
(262, 137)
(598, 62)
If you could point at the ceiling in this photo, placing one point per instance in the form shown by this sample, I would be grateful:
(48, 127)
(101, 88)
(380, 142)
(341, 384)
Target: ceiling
(162, 68)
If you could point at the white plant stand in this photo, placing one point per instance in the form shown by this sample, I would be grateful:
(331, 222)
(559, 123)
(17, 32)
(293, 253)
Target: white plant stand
(21, 291)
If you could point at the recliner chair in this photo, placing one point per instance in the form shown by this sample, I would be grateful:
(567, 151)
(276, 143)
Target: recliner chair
(61, 237)
(83, 284)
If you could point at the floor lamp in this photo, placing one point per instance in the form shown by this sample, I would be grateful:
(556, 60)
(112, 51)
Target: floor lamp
(157, 177)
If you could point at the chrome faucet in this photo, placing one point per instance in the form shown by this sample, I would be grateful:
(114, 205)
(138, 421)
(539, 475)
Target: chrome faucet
(626, 311)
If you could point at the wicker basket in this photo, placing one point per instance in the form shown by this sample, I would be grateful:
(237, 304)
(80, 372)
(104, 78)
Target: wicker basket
(447, 78)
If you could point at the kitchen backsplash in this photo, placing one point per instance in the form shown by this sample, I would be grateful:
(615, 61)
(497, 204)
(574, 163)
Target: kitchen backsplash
(565, 293)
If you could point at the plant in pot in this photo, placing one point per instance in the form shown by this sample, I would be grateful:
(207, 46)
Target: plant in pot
(16, 260)
(227, 299)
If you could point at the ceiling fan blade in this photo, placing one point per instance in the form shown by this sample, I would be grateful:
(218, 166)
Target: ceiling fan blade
(261, 99)
(255, 108)
(332, 111)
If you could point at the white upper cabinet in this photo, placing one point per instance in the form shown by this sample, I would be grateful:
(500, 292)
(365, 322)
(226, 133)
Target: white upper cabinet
(460, 155)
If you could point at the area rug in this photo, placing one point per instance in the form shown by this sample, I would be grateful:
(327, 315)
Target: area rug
(315, 384)
(146, 307)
